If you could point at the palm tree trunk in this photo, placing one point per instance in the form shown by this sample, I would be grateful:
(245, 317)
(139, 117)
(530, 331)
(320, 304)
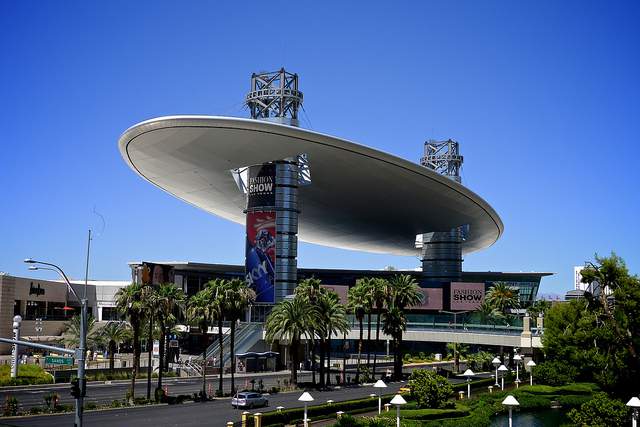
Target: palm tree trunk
(369, 340)
(204, 366)
(135, 323)
(162, 342)
(359, 348)
(377, 346)
(344, 358)
(221, 354)
(398, 357)
(112, 350)
(232, 352)
(293, 350)
(313, 361)
(329, 359)
(322, 362)
(150, 350)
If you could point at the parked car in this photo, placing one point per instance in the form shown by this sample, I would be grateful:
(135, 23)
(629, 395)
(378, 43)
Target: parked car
(248, 399)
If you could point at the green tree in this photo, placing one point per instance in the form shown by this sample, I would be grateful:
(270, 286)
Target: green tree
(403, 292)
(456, 350)
(130, 304)
(289, 322)
(218, 308)
(379, 297)
(358, 302)
(168, 305)
(600, 334)
(503, 297)
(429, 389)
(111, 335)
(539, 306)
(199, 311)
(331, 320)
(309, 290)
(71, 334)
(237, 298)
(601, 411)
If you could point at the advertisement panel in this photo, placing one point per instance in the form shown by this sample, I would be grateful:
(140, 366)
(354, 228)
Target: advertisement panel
(155, 274)
(466, 296)
(432, 299)
(260, 258)
(261, 186)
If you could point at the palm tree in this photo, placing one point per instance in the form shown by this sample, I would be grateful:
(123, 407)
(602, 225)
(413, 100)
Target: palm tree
(71, 334)
(148, 304)
(403, 292)
(290, 320)
(168, 300)
(113, 334)
(332, 318)
(238, 297)
(368, 288)
(199, 311)
(503, 297)
(130, 304)
(309, 290)
(378, 295)
(217, 287)
(357, 305)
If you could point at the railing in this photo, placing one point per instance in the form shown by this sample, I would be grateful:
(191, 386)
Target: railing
(448, 327)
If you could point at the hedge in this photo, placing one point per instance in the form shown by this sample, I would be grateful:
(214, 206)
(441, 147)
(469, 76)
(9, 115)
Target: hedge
(27, 374)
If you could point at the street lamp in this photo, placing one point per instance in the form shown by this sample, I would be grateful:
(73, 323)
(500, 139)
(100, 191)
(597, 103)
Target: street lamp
(502, 369)
(306, 398)
(510, 402)
(531, 364)
(468, 373)
(517, 358)
(398, 400)
(496, 362)
(379, 384)
(634, 404)
(82, 350)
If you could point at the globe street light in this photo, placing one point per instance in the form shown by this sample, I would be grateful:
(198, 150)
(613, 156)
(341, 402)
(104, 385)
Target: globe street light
(531, 364)
(398, 400)
(468, 373)
(517, 358)
(379, 384)
(634, 404)
(82, 348)
(496, 362)
(510, 402)
(502, 369)
(306, 398)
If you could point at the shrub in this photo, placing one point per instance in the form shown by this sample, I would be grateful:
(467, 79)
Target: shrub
(429, 389)
(10, 408)
(601, 411)
(556, 373)
(90, 405)
(27, 374)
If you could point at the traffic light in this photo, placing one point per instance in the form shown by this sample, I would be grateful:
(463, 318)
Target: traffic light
(75, 388)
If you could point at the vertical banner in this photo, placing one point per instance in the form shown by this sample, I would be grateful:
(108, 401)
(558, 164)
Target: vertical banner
(260, 258)
(261, 186)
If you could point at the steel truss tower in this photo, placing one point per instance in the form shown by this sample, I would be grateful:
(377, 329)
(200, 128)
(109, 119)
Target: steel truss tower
(442, 251)
(275, 96)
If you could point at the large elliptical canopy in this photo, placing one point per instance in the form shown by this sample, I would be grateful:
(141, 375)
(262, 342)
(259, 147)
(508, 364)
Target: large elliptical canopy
(360, 199)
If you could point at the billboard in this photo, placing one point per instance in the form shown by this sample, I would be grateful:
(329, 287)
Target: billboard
(466, 296)
(155, 274)
(260, 257)
(261, 186)
(431, 299)
(341, 290)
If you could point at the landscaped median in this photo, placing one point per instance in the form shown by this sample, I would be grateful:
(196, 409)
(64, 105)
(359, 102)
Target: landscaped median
(27, 374)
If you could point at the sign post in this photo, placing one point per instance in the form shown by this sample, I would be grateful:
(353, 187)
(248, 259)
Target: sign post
(14, 350)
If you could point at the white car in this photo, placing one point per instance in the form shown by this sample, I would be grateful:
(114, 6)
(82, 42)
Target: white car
(248, 399)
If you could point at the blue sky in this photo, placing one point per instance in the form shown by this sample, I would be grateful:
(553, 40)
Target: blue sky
(543, 97)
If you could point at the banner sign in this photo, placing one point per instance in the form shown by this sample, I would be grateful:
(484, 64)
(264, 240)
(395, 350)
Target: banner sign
(431, 299)
(155, 274)
(260, 258)
(466, 296)
(341, 290)
(261, 186)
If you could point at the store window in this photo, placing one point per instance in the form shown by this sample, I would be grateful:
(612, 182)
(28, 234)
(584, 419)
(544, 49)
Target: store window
(110, 313)
(16, 307)
(55, 311)
(35, 309)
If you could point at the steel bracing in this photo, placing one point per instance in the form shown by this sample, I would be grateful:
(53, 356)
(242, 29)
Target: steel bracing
(443, 157)
(275, 96)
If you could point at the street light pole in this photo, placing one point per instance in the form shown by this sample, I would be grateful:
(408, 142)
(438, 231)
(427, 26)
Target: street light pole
(82, 349)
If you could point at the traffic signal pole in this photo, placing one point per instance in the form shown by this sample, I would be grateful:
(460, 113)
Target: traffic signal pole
(82, 354)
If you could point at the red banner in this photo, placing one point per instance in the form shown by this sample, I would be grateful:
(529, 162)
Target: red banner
(260, 259)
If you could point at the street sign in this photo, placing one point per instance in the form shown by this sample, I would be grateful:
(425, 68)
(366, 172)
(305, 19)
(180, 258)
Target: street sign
(55, 360)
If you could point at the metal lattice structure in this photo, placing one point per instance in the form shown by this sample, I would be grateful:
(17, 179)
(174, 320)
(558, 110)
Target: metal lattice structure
(443, 157)
(275, 96)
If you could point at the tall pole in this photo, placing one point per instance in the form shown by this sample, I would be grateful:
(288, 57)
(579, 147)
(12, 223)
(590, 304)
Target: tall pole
(82, 353)
(14, 349)
(149, 350)
(397, 415)
(510, 417)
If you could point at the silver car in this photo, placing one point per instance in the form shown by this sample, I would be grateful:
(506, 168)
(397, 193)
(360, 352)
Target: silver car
(248, 399)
